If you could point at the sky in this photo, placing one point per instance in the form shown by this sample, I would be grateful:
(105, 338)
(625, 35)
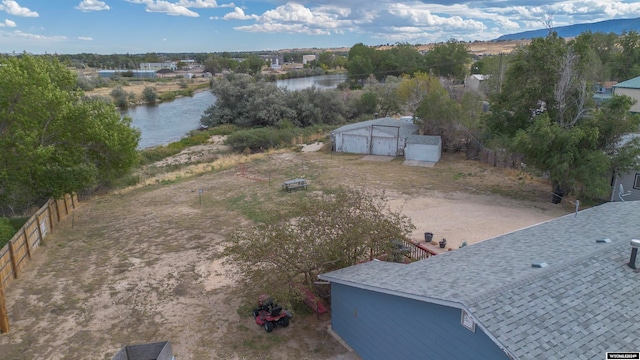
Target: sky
(170, 26)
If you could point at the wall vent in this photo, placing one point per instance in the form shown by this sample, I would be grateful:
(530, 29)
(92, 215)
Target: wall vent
(539, 265)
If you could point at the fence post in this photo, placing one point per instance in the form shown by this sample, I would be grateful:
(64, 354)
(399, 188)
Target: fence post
(14, 265)
(4, 319)
(50, 215)
(39, 230)
(26, 241)
(57, 210)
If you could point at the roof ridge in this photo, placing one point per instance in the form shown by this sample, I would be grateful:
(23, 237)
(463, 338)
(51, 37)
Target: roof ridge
(542, 273)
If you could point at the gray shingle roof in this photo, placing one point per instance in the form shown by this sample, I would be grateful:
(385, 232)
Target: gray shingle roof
(584, 303)
(406, 128)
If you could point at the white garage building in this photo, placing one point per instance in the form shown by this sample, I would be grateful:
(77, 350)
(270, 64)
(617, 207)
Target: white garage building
(423, 148)
(385, 136)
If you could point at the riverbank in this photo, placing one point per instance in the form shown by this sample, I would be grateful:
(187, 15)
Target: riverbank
(162, 88)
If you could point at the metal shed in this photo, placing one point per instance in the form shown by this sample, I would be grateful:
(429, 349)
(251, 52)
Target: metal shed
(423, 148)
(385, 136)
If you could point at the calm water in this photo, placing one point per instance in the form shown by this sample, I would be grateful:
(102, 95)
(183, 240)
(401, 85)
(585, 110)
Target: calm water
(170, 121)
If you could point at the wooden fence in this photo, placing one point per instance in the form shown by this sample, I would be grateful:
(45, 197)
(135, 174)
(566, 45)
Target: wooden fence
(15, 254)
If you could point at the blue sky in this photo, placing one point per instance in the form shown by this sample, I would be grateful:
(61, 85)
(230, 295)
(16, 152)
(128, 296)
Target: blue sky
(141, 26)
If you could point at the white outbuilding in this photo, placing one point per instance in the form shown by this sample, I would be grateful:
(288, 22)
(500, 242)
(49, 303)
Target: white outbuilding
(385, 136)
(423, 148)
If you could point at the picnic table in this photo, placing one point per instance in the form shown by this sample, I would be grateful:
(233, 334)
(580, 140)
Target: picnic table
(294, 184)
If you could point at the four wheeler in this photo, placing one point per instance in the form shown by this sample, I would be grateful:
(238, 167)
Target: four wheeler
(270, 315)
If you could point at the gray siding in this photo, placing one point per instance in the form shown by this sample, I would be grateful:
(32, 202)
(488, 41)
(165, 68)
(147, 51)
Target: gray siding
(422, 152)
(382, 326)
(627, 180)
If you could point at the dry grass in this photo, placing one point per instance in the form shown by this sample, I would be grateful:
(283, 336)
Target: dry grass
(143, 264)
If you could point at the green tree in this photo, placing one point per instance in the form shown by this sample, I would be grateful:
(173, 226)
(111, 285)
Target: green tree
(626, 64)
(52, 139)
(317, 234)
(359, 64)
(413, 89)
(450, 60)
(546, 113)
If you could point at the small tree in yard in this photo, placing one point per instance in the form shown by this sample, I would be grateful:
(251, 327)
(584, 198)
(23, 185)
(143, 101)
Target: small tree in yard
(319, 234)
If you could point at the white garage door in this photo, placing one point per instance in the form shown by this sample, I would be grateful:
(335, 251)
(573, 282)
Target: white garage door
(355, 144)
(386, 146)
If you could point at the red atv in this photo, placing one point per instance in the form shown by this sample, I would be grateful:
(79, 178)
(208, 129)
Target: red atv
(270, 315)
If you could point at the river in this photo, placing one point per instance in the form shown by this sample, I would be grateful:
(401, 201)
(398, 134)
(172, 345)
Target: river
(170, 121)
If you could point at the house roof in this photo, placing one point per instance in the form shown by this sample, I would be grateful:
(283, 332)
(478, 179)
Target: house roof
(629, 84)
(406, 128)
(582, 304)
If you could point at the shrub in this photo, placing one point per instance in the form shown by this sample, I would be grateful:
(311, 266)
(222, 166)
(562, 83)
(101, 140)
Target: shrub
(6, 231)
(149, 94)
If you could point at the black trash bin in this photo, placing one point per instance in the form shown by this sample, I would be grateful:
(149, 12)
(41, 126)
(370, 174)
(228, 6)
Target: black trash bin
(428, 236)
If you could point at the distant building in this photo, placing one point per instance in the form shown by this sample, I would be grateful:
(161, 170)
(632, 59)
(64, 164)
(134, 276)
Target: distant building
(144, 74)
(308, 58)
(603, 92)
(171, 65)
(474, 81)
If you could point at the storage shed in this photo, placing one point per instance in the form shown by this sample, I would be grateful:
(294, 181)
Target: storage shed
(385, 136)
(423, 148)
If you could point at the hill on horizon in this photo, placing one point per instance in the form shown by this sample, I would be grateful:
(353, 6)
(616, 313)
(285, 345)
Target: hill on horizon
(608, 26)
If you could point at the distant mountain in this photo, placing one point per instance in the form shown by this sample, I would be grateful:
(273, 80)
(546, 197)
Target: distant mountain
(609, 26)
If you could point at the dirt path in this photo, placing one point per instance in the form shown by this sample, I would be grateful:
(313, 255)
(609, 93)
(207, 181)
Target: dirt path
(145, 266)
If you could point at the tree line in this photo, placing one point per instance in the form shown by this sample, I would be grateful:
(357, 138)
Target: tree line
(53, 139)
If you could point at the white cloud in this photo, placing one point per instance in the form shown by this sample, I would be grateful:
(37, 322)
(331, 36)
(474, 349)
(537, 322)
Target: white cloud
(238, 14)
(38, 37)
(203, 4)
(13, 8)
(166, 7)
(92, 5)
(7, 23)
(85, 38)
(295, 18)
(424, 18)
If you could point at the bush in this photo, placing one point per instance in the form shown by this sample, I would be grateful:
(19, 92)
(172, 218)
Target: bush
(261, 139)
(149, 94)
(6, 231)
(119, 97)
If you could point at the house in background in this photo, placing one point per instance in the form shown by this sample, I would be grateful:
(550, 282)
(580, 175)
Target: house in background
(562, 289)
(384, 136)
(171, 65)
(630, 88)
(308, 58)
(474, 81)
(626, 186)
(603, 92)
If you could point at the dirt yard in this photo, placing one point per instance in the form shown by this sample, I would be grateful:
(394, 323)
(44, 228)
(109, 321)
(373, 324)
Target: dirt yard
(144, 265)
